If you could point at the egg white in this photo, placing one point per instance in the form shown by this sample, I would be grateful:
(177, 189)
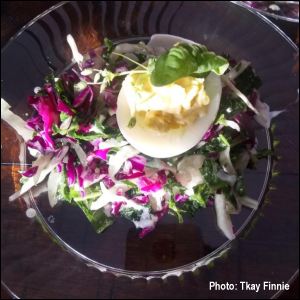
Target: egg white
(174, 142)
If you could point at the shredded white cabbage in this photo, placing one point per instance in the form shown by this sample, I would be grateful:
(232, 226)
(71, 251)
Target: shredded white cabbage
(226, 163)
(52, 184)
(249, 202)
(87, 183)
(16, 122)
(112, 143)
(238, 70)
(41, 162)
(231, 179)
(223, 218)
(76, 55)
(116, 161)
(156, 200)
(233, 125)
(226, 81)
(30, 183)
(79, 151)
(66, 124)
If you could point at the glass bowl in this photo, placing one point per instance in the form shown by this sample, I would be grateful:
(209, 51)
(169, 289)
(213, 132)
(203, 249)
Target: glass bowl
(59, 255)
(282, 10)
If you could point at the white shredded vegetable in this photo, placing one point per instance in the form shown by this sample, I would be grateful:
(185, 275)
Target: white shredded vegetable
(112, 143)
(41, 162)
(66, 124)
(226, 81)
(223, 218)
(233, 125)
(238, 70)
(156, 200)
(116, 161)
(30, 183)
(231, 179)
(243, 162)
(52, 184)
(76, 55)
(225, 162)
(249, 202)
(16, 122)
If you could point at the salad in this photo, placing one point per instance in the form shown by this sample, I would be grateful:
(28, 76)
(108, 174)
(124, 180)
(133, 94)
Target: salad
(142, 131)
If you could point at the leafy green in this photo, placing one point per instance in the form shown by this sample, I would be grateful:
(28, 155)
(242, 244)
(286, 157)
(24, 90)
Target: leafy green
(141, 57)
(130, 213)
(63, 116)
(132, 122)
(173, 65)
(248, 81)
(59, 86)
(49, 78)
(191, 207)
(110, 49)
(98, 218)
(227, 191)
(230, 107)
(201, 194)
(174, 186)
(239, 186)
(23, 179)
(175, 211)
(217, 144)
(67, 98)
(63, 191)
(209, 172)
(261, 154)
(264, 153)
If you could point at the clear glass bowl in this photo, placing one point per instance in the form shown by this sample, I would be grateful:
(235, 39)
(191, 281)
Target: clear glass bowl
(282, 10)
(58, 254)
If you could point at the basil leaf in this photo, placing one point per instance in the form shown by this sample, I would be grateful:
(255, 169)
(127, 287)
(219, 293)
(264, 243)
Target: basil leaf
(171, 66)
(206, 61)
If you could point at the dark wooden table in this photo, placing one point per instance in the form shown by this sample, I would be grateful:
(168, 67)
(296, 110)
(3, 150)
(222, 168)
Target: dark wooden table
(15, 14)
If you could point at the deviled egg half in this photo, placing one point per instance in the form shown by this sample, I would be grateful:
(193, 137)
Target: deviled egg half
(170, 119)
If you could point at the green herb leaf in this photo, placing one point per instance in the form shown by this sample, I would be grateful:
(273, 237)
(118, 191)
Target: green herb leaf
(49, 78)
(248, 81)
(63, 191)
(191, 207)
(63, 117)
(239, 186)
(23, 179)
(175, 211)
(132, 122)
(230, 107)
(201, 194)
(215, 145)
(98, 218)
(130, 213)
(209, 172)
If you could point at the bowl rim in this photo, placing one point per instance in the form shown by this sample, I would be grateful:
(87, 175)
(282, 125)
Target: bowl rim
(241, 4)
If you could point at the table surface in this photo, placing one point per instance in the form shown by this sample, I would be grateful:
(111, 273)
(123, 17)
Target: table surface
(15, 14)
